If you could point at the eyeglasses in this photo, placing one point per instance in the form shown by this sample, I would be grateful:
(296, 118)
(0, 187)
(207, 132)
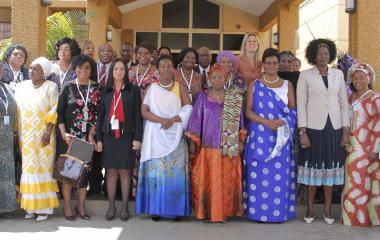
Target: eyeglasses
(17, 54)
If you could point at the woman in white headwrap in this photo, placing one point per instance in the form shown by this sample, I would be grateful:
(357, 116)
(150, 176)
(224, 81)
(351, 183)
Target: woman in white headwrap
(37, 114)
(361, 193)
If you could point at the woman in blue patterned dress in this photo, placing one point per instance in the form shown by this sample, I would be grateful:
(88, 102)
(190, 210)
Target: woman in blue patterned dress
(269, 168)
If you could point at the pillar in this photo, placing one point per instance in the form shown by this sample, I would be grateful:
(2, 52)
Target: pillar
(364, 35)
(29, 26)
(288, 22)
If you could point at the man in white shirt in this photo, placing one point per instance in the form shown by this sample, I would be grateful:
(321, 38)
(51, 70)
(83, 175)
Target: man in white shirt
(126, 54)
(203, 67)
(105, 57)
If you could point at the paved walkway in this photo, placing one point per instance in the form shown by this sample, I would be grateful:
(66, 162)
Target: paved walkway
(141, 228)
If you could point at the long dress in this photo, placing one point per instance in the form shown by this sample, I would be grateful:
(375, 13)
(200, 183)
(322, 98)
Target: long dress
(150, 77)
(216, 186)
(269, 168)
(7, 162)
(361, 193)
(36, 108)
(163, 183)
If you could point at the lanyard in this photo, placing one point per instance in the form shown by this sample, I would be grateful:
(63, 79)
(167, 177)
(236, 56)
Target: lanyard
(116, 103)
(357, 100)
(16, 74)
(6, 103)
(62, 78)
(228, 85)
(85, 109)
(139, 81)
(188, 83)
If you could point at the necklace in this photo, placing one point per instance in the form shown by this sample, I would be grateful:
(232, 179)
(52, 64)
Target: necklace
(188, 83)
(265, 79)
(166, 86)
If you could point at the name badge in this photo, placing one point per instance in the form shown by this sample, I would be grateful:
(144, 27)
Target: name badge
(84, 127)
(6, 120)
(115, 124)
(12, 86)
(356, 107)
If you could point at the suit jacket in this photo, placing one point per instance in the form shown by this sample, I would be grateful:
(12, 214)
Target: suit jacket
(131, 100)
(315, 102)
(8, 74)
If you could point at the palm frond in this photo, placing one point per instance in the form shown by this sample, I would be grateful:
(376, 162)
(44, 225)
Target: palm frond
(4, 45)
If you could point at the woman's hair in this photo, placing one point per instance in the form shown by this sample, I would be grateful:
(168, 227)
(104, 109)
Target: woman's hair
(9, 51)
(167, 48)
(314, 45)
(270, 52)
(287, 54)
(186, 50)
(87, 43)
(81, 59)
(111, 80)
(163, 57)
(146, 45)
(73, 44)
(244, 42)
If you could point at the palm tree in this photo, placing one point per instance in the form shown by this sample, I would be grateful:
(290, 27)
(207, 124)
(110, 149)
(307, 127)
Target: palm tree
(4, 45)
(70, 24)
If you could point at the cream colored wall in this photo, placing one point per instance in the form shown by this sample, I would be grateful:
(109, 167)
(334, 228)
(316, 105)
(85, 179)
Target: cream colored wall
(326, 19)
(232, 17)
(145, 18)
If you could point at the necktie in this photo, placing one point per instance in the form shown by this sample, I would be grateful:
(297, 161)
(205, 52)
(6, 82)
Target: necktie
(102, 76)
(204, 79)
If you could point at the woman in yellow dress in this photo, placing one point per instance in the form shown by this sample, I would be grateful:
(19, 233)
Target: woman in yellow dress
(36, 107)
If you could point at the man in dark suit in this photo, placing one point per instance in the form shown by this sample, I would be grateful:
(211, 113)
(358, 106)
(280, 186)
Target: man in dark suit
(126, 54)
(95, 177)
(204, 65)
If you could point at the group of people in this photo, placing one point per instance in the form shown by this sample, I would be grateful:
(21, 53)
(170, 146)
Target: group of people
(226, 140)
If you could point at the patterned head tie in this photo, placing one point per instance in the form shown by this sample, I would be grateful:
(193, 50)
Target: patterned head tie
(366, 69)
(227, 54)
(217, 68)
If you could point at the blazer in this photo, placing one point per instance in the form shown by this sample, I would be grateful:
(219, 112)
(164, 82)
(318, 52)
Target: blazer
(315, 102)
(131, 100)
(8, 74)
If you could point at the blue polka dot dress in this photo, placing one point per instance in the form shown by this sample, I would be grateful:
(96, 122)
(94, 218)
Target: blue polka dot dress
(269, 167)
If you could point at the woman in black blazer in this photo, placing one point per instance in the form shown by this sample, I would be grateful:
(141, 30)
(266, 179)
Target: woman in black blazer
(118, 133)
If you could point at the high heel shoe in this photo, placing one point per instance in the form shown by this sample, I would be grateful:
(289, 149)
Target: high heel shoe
(69, 218)
(156, 218)
(85, 216)
(308, 220)
(329, 221)
(110, 214)
(124, 215)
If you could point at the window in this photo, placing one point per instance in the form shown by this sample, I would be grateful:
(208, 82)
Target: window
(232, 41)
(205, 14)
(175, 14)
(5, 30)
(206, 40)
(175, 40)
(151, 37)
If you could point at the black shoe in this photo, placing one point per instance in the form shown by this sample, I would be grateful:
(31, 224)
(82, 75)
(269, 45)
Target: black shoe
(156, 218)
(177, 219)
(124, 215)
(110, 213)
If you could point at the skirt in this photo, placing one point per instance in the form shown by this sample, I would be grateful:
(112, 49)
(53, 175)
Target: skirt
(323, 162)
(118, 153)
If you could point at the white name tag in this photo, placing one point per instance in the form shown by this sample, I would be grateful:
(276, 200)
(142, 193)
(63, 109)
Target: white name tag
(6, 120)
(115, 124)
(356, 107)
(84, 127)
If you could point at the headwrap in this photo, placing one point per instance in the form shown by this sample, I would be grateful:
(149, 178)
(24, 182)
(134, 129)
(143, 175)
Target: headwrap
(228, 54)
(366, 69)
(217, 68)
(45, 65)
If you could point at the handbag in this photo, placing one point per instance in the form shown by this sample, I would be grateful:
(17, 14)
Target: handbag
(73, 168)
